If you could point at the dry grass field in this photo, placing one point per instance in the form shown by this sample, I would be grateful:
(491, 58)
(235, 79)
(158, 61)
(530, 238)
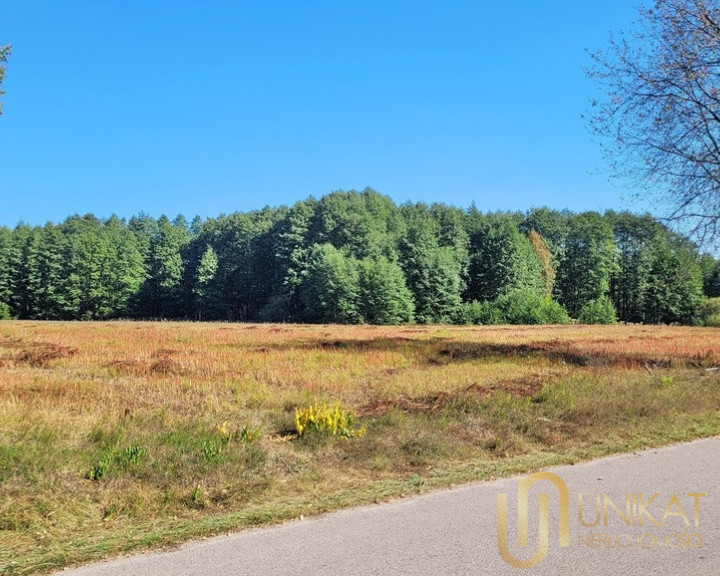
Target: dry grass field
(123, 436)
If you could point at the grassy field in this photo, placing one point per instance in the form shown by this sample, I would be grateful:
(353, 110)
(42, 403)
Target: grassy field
(123, 436)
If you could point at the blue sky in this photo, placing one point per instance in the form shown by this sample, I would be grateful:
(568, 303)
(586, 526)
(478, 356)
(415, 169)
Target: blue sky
(211, 107)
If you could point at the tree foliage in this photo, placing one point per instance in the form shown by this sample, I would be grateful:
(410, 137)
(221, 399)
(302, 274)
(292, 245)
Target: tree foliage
(501, 258)
(433, 272)
(659, 119)
(598, 311)
(384, 297)
(587, 262)
(708, 314)
(545, 258)
(710, 269)
(206, 297)
(400, 264)
(674, 282)
(331, 286)
(523, 306)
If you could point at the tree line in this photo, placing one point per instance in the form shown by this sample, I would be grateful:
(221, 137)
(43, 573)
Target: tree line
(357, 257)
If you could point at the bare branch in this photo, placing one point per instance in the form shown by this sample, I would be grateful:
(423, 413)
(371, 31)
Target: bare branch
(4, 54)
(659, 122)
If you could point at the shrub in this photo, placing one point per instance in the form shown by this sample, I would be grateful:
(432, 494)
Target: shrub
(552, 312)
(709, 312)
(517, 307)
(522, 306)
(469, 313)
(4, 311)
(491, 313)
(598, 311)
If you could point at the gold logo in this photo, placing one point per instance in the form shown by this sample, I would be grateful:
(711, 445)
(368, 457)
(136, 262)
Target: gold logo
(524, 485)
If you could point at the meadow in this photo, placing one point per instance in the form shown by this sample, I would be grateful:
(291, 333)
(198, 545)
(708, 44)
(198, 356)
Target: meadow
(122, 436)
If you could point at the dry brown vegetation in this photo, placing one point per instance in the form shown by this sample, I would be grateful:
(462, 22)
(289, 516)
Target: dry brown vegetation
(117, 436)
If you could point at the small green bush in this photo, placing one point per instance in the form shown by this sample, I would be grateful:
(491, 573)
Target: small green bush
(598, 311)
(709, 312)
(552, 312)
(469, 313)
(4, 311)
(491, 313)
(524, 307)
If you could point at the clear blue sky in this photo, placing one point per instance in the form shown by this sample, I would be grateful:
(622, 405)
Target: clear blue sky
(209, 107)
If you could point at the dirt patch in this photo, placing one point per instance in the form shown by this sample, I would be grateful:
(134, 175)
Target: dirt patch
(11, 343)
(408, 405)
(166, 366)
(42, 354)
(164, 353)
(127, 366)
(522, 387)
(564, 353)
(161, 363)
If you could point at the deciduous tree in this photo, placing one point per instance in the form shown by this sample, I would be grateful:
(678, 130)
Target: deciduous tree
(659, 119)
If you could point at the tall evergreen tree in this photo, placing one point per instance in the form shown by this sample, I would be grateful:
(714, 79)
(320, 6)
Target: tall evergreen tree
(587, 263)
(290, 237)
(245, 254)
(633, 236)
(675, 281)
(47, 282)
(21, 261)
(433, 273)
(207, 300)
(125, 270)
(364, 224)
(160, 293)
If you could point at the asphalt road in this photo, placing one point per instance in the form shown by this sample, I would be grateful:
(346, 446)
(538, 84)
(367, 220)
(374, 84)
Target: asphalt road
(454, 532)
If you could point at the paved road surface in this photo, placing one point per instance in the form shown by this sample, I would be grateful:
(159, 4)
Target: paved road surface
(454, 532)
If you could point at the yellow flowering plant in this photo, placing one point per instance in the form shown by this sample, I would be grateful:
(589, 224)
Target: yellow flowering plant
(330, 419)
